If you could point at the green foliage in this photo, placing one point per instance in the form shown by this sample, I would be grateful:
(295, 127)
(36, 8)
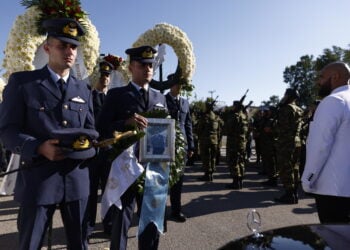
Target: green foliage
(187, 89)
(301, 76)
(329, 56)
(273, 101)
(124, 143)
(177, 167)
(197, 106)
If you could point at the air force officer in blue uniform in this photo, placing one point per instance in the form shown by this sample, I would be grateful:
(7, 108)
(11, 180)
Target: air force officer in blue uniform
(121, 110)
(179, 109)
(36, 103)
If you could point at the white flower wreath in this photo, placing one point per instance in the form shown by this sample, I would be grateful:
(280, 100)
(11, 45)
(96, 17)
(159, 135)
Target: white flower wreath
(119, 77)
(2, 85)
(24, 41)
(177, 39)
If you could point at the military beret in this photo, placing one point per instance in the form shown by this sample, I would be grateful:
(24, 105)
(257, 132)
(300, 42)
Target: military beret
(77, 143)
(65, 29)
(106, 67)
(143, 54)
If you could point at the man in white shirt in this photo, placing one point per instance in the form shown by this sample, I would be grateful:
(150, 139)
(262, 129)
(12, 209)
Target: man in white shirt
(327, 169)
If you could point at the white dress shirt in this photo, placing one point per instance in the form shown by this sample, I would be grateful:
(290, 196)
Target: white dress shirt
(327, 168)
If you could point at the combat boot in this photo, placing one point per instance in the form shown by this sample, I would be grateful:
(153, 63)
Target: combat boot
(236, 183)
(240, 182)
(271, 182)
(205, 177)
(295, 191)
(287, 198)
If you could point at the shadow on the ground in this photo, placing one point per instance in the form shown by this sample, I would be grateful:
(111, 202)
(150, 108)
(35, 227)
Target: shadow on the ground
(232, 199)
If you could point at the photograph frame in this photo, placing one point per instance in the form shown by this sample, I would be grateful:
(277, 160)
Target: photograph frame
(158, 144)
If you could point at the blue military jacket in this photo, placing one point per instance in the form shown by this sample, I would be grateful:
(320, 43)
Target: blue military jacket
(182, 115)
(120, 104)
(32, 107)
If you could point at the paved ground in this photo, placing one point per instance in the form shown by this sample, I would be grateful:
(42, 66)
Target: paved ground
(215, 215)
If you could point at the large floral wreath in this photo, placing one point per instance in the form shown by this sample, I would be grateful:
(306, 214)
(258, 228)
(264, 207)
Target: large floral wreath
(119, 65)
(2, 85)
(178, 40)
(24, 40)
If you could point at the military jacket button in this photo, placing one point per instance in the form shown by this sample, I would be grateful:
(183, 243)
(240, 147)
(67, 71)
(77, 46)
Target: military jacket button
(64, 123)
(65, 106)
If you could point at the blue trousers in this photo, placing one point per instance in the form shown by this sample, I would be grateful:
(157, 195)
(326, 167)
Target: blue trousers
(33, 221)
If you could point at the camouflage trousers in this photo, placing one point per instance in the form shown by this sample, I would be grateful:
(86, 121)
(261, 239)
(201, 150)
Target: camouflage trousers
(268, 156)
(288, 161)
(235, 158)
(208, 154)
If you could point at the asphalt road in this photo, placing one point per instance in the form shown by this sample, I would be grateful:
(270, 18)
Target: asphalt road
(216, 215)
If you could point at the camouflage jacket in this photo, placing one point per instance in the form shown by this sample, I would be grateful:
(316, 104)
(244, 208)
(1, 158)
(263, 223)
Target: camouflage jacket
(208, 128)
(289, 125)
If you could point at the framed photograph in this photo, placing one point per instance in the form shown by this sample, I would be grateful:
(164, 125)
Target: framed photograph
(159, 142)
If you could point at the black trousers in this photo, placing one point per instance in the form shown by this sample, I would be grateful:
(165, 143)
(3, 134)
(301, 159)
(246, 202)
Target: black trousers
(98, 170)
(149, 238)
(175, 196)
(333, 209)
(121, 222)
(122, 219)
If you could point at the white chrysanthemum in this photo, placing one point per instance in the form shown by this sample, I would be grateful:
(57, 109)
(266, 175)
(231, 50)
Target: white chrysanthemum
(24, 41)
(177, 39)
(122, 68)
(2, 85)
(90, 44)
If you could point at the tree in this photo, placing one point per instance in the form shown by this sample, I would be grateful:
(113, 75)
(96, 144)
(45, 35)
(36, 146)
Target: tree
(301, 77)
(273, 101)
(329, 56)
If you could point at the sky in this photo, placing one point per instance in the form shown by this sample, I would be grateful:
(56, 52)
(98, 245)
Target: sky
(238, 44)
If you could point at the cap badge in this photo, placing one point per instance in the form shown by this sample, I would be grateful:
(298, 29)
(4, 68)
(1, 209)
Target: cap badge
(71, 29)
(81, 143)
(147, 54)
(105, 67)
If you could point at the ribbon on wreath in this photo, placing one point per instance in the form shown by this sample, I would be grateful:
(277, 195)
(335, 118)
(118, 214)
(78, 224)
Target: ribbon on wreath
(124, 171)
(155, 195)
(8, 183)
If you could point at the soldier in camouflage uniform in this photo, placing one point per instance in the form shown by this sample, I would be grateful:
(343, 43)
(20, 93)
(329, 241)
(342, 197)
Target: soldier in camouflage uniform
(256, 136)
(288, 146)
(268, 152)
(208, 126)
(236, 126)
(195, 156)
(220, 134)
(308, 117)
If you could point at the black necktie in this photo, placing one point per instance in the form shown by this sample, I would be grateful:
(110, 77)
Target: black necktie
(144, 94)
(62, 85)
(177, 101)
(101, 96)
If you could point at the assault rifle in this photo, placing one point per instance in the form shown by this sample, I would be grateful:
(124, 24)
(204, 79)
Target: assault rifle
(248, 105)
(211, 104)
(243, 97)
